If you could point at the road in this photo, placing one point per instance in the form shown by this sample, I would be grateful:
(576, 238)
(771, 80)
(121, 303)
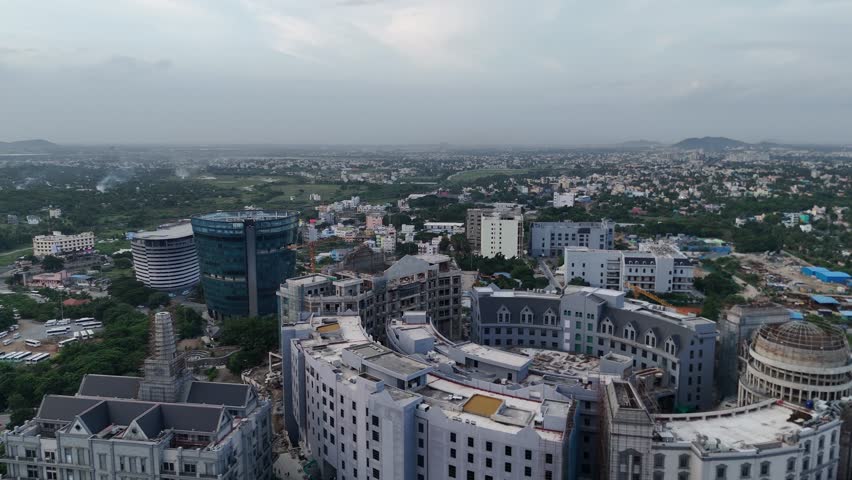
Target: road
(545, 269)
(749, 292)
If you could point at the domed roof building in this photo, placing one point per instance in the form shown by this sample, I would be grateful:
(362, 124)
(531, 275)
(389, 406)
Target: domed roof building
(796, 361)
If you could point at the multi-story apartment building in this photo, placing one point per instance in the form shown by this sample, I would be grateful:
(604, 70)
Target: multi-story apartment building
(57, 243)
(656, 268)
(595, 321)
(473, 223)
(365, 411)
(501, 233)
(165, 259)
(768, 440)
(161, 426)
(548, 239)
(431, 283)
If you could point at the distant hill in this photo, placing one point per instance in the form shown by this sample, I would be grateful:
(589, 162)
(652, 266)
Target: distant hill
(709, 143)
(639, 144)
(28, 146)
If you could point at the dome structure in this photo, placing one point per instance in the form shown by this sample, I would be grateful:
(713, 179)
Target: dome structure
(796, 361)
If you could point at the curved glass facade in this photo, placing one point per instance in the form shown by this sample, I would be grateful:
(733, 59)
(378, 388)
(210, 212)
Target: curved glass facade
(243, 258)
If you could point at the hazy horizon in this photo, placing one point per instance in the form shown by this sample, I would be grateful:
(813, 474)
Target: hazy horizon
(424, 72)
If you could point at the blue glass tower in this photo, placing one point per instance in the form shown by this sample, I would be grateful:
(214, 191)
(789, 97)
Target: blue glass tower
(244, 257)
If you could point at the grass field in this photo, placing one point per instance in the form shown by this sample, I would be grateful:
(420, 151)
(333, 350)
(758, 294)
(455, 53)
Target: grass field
(472, 175)
(10, 256)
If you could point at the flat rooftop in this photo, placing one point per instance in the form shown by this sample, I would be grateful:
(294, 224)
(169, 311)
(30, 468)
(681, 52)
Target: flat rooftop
(388, 359)
(179, 230)
(558, 362)
(737, 431)
(493, 355)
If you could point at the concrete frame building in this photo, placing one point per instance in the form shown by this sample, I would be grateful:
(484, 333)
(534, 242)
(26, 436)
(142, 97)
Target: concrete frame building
(595, 322)
(57, 243)
(243, 258)
(799, 362)
(473, 223)
(364, 411)
(166, 259)
(116, 428)
(548, 239)
(736, 331)
(659, 268)
(430, 283)
(502, 233)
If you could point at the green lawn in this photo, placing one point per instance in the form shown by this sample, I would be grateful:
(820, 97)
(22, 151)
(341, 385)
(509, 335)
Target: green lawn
(7, 258)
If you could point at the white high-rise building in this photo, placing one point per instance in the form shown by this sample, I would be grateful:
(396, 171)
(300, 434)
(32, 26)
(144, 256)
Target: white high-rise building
(58, 243)
(166, 259)
(502, 233)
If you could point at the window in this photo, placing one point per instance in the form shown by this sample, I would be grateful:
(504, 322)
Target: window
(507, 467)
(470, 442)
(451, 472)
(650, 339)
(745, 470)
(508, 451)
(683, 476)
(659, 460)
(528, 471)
(670, 346)
(452, 437)
(607, 327)
(469, 458)
(527, 315)
(629, 332)
(683, 461)
(791, 464)
(527, 454)
(548, 458)
(764, 468)
(488, 446)
(721, 472)
(503, 315)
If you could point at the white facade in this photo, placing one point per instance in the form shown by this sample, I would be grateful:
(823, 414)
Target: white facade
(501, 234)
(166, 259)
(661, 270)
(757, 442)
(366, 412)
(563, 200)
(451, 228)
(58, 243)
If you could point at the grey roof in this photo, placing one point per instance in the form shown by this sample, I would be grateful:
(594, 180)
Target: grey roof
(407, 265)
(229, 394)
(57, 407)
(642, 322)
(539, 304)
(109, 386)
(151, 422)
(200, 418)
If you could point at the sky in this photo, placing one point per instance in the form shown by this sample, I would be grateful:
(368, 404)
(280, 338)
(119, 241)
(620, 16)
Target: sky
(550, 72)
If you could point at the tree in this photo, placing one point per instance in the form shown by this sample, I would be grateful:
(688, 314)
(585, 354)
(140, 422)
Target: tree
(52, 264)
(407, 248)
(444, 244)
(123, 263)
(579, 282)
(188, 322)
(158, 299)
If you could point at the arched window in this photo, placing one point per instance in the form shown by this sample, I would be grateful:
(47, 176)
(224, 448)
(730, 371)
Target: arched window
(629, 332)
(503, 315)
(650, 339)
(791, 464)
(721, 472)
(683, 461)
(671, 346)
(607, 327)
(659, 460)
(527, 315)
(745, 470)
(765, 468)
(549, 317)
(683, 476)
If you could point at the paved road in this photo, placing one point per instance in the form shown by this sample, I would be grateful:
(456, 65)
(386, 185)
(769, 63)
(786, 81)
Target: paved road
(542, 264)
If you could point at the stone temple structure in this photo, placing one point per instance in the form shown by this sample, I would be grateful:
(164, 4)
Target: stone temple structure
(798, 362)
(166, 377)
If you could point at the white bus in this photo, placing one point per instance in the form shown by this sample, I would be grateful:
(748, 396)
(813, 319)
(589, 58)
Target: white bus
(62, 343)
(64, 321)
(4, 334)
(51, 332)
(8, 342)
(32, 343)
(50, 323)
(84, 320)
(38, 357)
(92, 324)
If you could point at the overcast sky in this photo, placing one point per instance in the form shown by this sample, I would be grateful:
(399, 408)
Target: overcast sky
(424, 71)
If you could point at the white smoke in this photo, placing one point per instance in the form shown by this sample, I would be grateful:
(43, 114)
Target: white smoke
(112, 180)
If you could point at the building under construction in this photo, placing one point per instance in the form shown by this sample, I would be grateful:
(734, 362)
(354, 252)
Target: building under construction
(797, 361)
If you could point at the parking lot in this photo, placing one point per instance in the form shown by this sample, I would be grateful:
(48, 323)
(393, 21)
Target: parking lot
(30, 329)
